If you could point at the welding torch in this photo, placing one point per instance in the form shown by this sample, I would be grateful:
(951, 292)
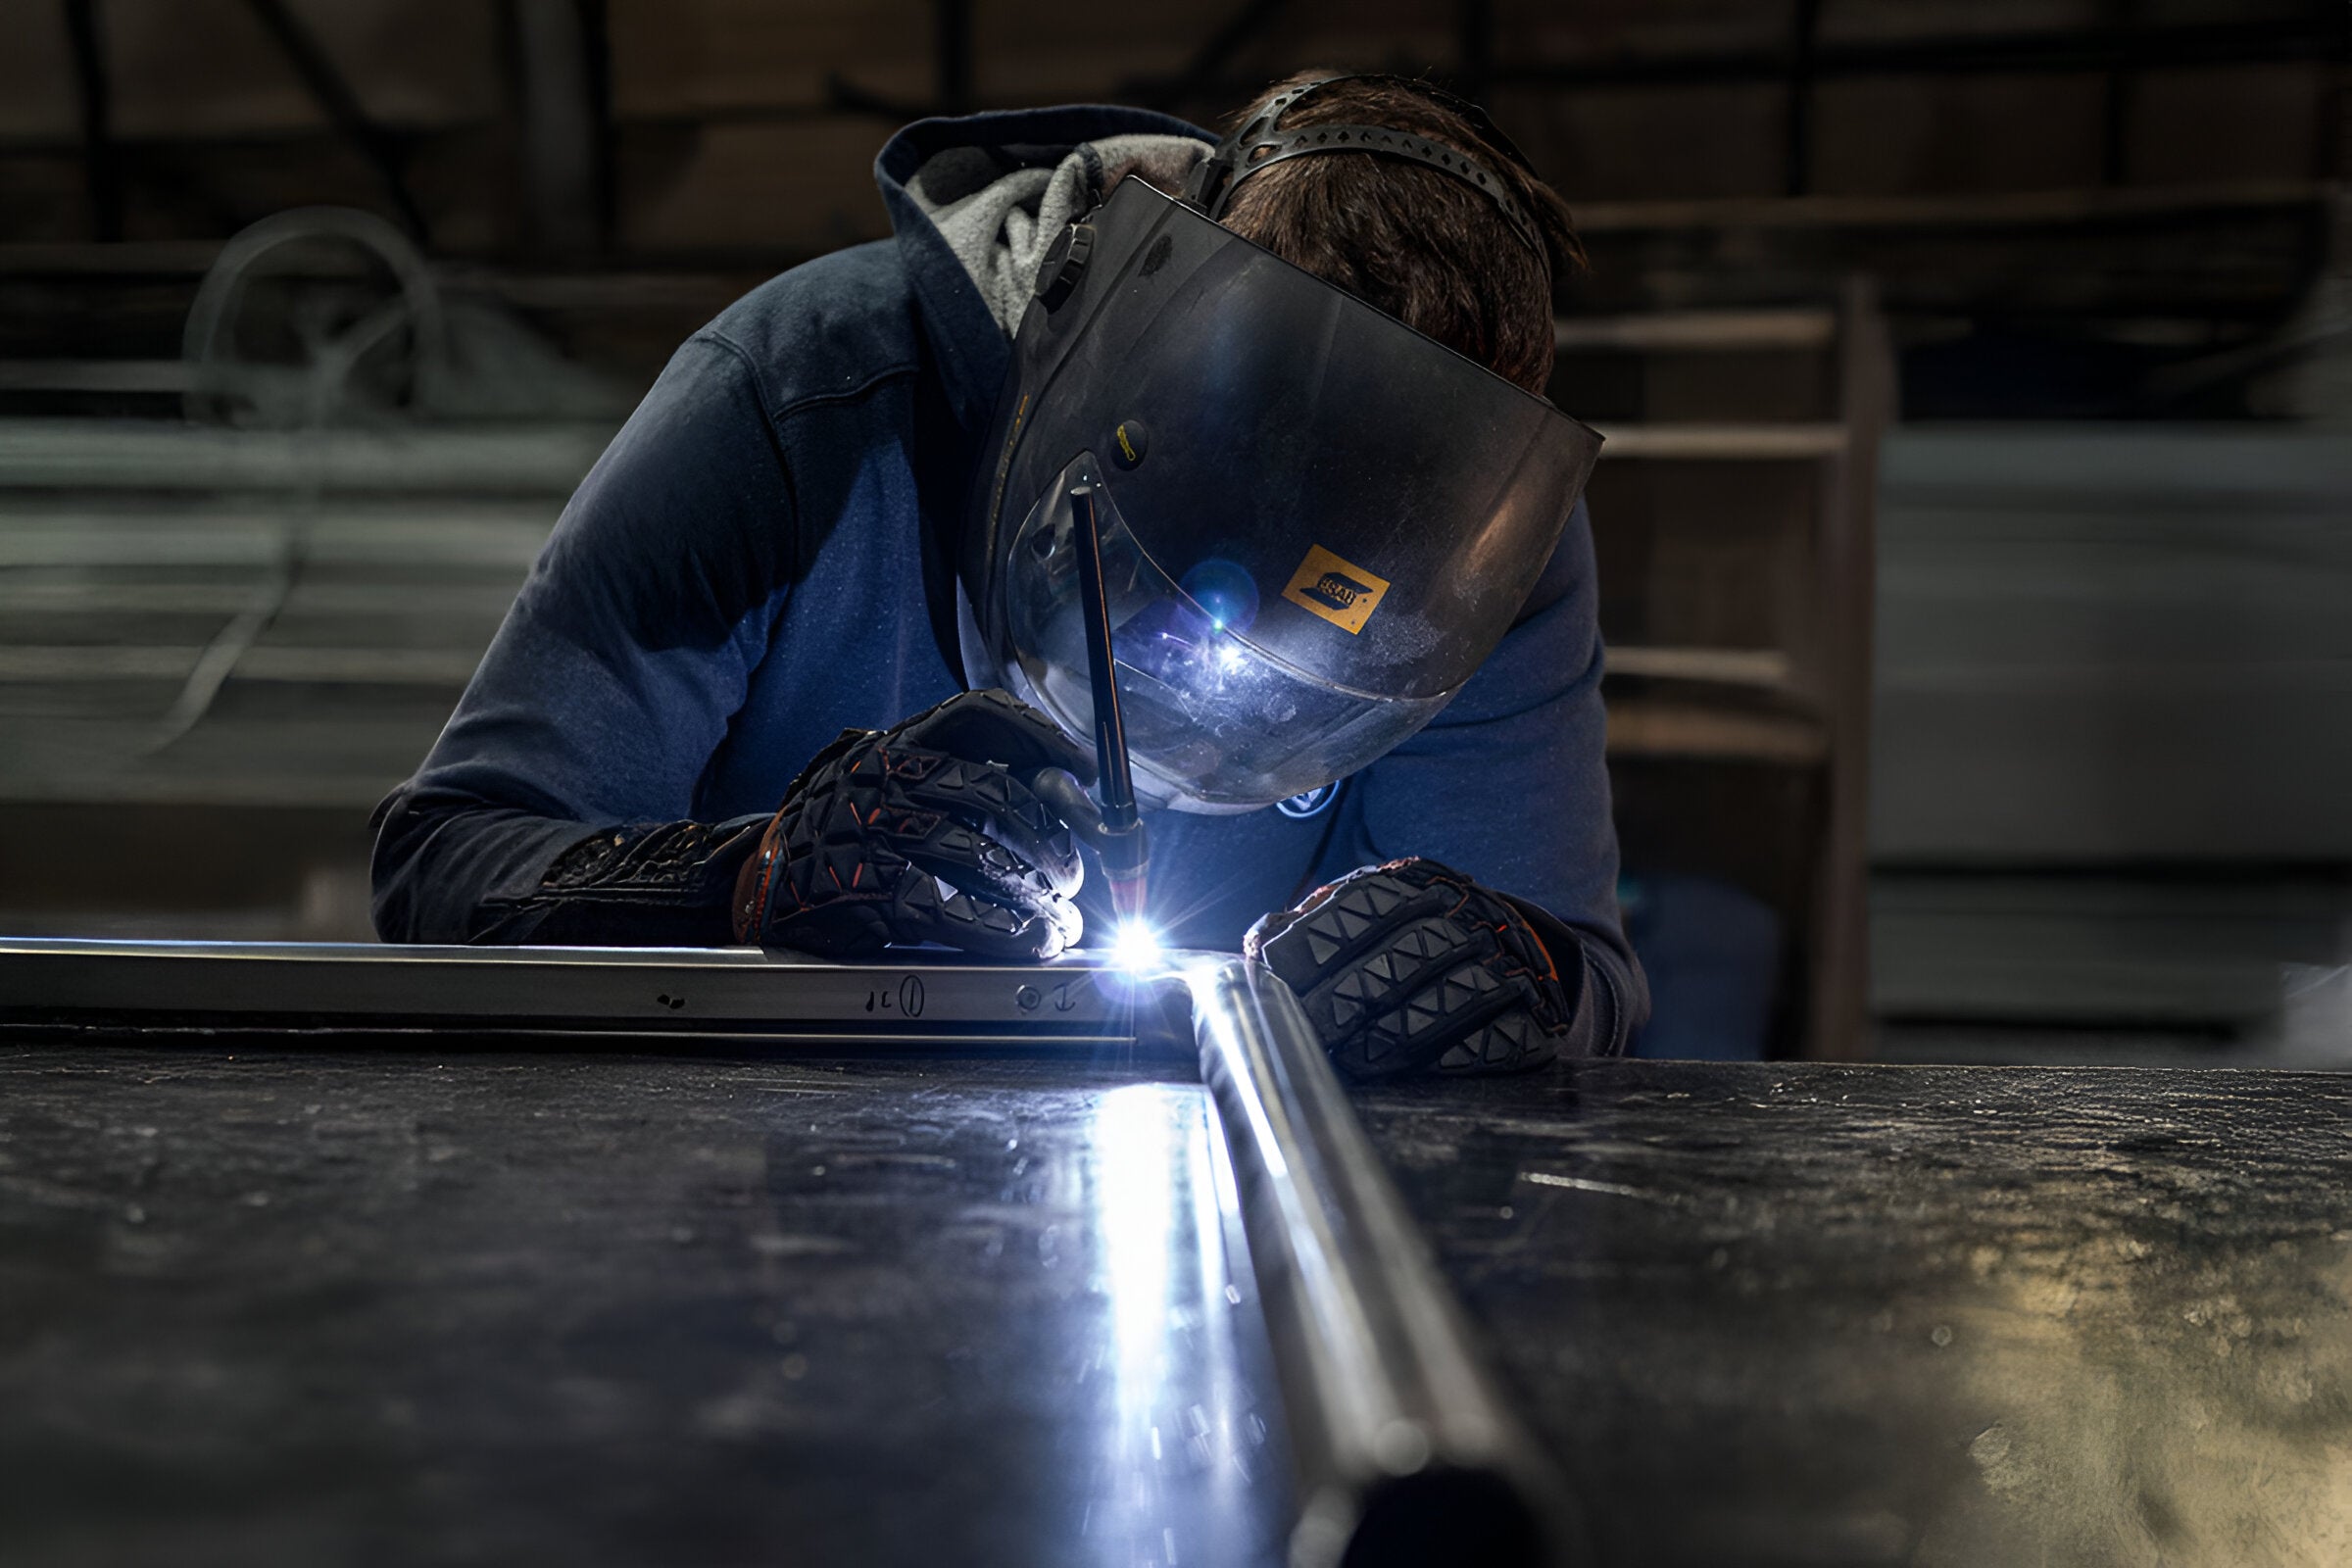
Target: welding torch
(1108, 820)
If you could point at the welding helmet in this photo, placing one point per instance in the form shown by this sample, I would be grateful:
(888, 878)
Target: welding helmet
(1315, 521)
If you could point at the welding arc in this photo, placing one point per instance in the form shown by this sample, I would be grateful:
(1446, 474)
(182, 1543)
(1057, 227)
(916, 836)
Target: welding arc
(1125, 853)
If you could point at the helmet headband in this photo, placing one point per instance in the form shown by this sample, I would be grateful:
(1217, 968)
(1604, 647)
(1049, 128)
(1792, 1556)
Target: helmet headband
(1261, 144)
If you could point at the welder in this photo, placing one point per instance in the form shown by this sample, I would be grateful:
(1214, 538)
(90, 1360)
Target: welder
(804, 663)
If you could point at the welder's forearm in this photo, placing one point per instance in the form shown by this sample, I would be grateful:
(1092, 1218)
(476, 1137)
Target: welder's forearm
(1612, 999)
(1615, 1003)
(607, 922)
(654, 902)
(666, 884)
(468, 872)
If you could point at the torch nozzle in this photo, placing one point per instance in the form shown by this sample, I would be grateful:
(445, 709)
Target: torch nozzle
(1127, 881)
(1119, 838)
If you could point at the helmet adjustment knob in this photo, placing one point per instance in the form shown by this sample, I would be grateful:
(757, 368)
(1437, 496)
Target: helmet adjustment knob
(1064, 264)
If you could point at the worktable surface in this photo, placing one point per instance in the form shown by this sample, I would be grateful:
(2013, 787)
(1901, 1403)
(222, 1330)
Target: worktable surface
(290, 1306)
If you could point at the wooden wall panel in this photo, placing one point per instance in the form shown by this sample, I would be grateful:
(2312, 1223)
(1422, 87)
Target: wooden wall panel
(1037, 54)
(239, 83)
(206, 67)
(1545, 30)
(36, 76)
(239, 86)
(692, 57)
(420, 63)
(1887, 21)
(1911, 135)
(798, 187)
(2271, 114)
(1727, 570)
(1624, 144)
(42, 200)
(1364, 35)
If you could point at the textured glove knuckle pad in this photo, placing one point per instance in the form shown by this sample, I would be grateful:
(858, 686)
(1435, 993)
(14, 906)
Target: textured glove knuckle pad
(885, 838)
(1411, 965)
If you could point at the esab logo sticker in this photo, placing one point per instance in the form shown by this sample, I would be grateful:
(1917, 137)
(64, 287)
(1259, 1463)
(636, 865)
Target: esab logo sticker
(1343, 594)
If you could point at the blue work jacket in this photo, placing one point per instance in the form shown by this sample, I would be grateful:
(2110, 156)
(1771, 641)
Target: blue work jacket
(763, 558)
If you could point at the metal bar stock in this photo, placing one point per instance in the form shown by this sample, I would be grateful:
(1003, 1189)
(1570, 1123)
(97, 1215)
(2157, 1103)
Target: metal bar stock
(1404, 1448)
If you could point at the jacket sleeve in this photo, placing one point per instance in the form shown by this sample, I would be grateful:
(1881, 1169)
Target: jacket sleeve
(557, 804)
(1510, 784)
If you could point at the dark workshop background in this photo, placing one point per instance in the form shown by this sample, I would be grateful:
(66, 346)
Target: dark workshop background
(1976, 525)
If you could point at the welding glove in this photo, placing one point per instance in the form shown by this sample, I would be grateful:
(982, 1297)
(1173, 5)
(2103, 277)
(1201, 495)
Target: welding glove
(1413, 964)
(924, 832)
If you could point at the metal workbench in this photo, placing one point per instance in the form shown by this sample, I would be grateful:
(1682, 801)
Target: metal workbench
(666, 1297)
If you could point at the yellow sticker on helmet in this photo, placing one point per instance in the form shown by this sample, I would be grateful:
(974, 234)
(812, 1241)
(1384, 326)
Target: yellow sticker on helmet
(1342, 593)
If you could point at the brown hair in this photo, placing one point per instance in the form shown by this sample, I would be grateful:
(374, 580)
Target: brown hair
(1417, 243)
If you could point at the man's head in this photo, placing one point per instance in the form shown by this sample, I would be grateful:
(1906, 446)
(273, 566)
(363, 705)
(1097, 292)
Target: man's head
(1315, 521)
(1422, 245)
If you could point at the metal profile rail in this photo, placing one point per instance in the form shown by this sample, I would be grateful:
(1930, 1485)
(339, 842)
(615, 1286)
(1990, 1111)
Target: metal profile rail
(96, 987)
(1405, 1449)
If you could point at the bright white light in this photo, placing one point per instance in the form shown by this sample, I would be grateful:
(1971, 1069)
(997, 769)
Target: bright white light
(1136, 948)
(1231, 656)
(1138, 1168)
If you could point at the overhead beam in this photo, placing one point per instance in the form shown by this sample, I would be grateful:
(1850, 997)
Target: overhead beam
(102, 169)
(2089, 49)
(2078, 51)
(343, 109)
(1803, 48)
(2115, 105)
(952, 52)
(1474, 48)
(596, 41)
(557, 120)
(2331, 154)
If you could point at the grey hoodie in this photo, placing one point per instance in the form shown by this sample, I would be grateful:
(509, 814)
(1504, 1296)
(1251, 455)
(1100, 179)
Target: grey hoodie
(1000, 224)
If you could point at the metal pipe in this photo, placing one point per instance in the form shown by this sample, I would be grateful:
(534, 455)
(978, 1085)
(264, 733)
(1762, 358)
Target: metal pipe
(1404, 1448)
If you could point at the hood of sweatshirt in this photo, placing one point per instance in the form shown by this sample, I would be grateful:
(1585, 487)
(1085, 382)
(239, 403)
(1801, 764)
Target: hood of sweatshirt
(974, 203)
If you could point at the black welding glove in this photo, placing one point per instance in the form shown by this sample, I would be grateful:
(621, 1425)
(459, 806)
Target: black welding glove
(924, 832)
(1413, 964)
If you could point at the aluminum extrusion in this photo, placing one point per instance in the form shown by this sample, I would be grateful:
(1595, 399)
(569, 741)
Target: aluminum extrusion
(1076, 1004)
(1404, 1448)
